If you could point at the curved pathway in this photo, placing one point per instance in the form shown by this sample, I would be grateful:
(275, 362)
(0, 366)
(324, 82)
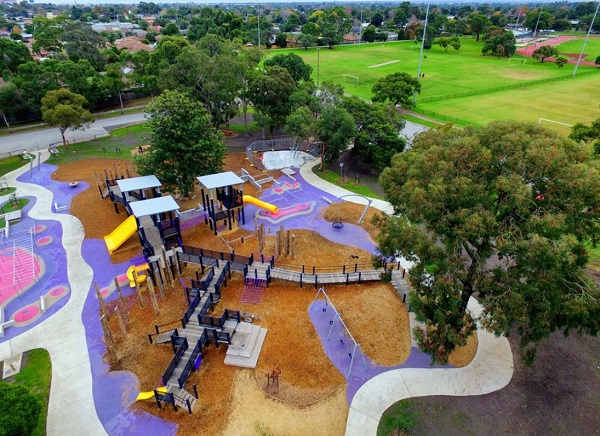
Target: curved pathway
(71, 409)
(490, 370)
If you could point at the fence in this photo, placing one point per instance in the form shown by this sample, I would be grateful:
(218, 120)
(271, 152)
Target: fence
(267, 145)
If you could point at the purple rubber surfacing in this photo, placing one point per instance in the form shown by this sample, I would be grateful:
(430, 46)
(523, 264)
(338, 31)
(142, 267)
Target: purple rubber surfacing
(114, 392)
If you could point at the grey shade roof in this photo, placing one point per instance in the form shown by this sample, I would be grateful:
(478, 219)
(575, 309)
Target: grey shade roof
(153, 206)
(219, 180)
(136, 183)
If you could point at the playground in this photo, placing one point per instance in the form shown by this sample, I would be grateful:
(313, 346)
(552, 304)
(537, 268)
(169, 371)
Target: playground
(296, 344)
(319, 349)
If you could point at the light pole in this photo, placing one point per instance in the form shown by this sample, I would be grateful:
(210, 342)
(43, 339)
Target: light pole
(258, 26)
(342, 170)
(421, 55)
(586, 40)
(318, 64)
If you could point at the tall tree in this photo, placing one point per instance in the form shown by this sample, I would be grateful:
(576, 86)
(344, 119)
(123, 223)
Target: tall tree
(545, 51)
(397, 88)
(377, 128)
(502, 213)
(270, 94)
(184, 143)
(334, 129)
(66, 110)
(294, 64)
(12, 54)
(478, 23)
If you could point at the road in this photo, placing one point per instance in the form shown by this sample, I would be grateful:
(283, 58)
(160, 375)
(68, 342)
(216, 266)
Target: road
(41, 139)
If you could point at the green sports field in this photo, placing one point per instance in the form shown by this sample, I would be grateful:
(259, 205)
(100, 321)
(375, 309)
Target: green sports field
(451, 73)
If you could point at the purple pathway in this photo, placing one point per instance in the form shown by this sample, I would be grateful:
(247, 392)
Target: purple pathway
(350, 234)
(339, 348)
(114, 392)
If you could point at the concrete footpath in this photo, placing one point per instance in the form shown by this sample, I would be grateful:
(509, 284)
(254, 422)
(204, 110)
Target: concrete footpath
(491, 369)
(71, 408)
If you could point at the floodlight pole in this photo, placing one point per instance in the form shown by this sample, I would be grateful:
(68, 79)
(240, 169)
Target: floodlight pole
(258, 26)
(318, 64)
(538, 20)
(518, 17)
(362, 7)
(586, 40)
(421, 55)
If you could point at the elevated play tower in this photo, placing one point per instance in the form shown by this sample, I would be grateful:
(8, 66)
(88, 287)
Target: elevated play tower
(221, 200)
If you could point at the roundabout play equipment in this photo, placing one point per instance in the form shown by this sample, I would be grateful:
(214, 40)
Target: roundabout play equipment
(337, 225)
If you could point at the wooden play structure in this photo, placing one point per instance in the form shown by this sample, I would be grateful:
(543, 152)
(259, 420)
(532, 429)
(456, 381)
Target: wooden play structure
(221, 200)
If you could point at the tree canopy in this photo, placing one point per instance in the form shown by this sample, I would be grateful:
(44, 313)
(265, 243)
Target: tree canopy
(270, 93)
(296, 67)
(184, 143)
(545, 51)
(591, 133)
(19, 410)
(66, 110)
(502, 213)
(13, 55)
(397, 88)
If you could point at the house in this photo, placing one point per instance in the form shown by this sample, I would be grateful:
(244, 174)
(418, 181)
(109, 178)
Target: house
(132, 44)
(351, 39)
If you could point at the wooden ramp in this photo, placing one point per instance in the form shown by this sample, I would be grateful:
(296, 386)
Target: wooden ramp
(163, 337)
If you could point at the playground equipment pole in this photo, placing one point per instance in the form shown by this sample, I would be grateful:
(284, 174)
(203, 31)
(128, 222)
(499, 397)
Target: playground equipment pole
(586, 40)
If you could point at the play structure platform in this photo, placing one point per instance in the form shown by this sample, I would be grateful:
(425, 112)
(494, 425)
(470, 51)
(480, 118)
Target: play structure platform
(246, 345)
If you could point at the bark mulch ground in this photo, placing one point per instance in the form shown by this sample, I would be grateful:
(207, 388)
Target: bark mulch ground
(292, 345)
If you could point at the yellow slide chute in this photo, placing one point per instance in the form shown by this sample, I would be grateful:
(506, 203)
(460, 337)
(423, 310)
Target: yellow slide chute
(264, 205)
(137, 270)
(150, 394)
(121, 234)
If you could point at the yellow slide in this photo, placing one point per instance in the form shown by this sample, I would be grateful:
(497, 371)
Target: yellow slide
(137, 269)
(255, 201)
(120, 234)
(150, 394)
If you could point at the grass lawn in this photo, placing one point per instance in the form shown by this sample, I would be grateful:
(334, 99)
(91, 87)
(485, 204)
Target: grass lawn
(350, 185)
(592, 49)
(454, 72)
(35, 376)
(118, 145)
(562, 101)
(11, 163)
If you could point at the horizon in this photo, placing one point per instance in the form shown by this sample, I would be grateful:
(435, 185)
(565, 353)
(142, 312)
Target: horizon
(249, 2)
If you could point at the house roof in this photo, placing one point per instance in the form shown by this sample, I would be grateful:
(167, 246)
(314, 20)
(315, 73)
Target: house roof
(133, 44)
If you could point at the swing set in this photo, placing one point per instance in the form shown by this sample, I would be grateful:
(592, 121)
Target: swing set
(354, 347)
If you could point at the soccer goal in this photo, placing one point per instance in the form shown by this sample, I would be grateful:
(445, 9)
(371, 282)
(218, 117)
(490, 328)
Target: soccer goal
(552, 121)
(351, 79)
(521, 61)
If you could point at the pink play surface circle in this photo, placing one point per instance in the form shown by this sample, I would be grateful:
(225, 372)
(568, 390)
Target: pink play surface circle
(38, 229)
(123, 278)
(104, 292)
(27, 313)
(57, 291)
(45, 240)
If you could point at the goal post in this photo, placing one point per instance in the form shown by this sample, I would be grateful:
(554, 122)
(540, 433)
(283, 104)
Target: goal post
(351, 79)
(553, 121)
(522, 61)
